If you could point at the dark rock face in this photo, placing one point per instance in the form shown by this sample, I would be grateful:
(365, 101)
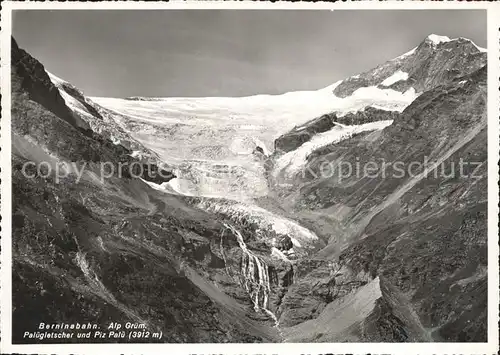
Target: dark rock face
(298, 136)
(32, 78)
(295, 138)
(132, 265)
(39, 111)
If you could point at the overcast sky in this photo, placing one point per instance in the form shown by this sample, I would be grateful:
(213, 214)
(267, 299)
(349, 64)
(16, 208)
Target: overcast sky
(226, 52)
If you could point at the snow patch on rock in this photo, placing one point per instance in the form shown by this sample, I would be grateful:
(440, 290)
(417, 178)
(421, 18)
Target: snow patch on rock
(407, 54)
(292, 162)
(437, 39)
(114, 140)
(394, 78)
(72, 103)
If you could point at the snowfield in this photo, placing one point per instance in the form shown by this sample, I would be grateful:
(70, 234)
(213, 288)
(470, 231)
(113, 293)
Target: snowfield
(200, 137)
(394, 78)
(292, 162)
(210, 142)
(222, 127)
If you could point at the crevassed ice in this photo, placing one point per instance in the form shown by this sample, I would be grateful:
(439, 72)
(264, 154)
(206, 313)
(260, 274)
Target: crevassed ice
(265, 220)
(198, 122)
(208, 132)
(240, 180)
(225, 130)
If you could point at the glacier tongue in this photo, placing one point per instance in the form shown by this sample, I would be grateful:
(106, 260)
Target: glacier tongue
(210, 142)
(264, 221)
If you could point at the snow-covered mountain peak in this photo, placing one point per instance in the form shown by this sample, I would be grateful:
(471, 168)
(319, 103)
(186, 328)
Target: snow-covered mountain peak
(435, 61)
(437, 39)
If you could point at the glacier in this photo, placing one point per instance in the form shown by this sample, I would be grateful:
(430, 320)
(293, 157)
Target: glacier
(210, 142)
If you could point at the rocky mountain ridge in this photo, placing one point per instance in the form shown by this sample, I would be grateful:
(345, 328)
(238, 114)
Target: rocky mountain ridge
(438, 60)
(416, 235)
(435, 61)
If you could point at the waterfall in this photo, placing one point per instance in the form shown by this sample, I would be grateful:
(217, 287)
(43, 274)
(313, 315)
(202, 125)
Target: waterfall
(254, 276)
